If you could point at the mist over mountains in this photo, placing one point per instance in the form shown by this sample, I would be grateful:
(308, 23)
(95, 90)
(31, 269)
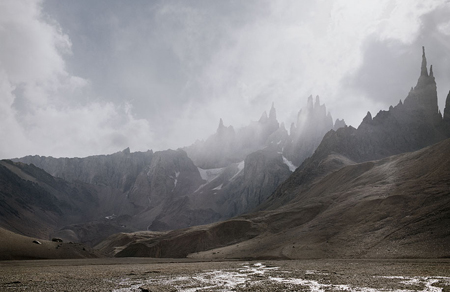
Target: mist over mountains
(316, 184)
(230, 173)
(354, 197)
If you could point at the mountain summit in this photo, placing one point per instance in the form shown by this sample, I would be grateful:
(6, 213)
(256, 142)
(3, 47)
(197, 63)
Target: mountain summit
(409, 126)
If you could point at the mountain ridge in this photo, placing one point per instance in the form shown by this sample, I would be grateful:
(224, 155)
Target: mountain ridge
(380, 187)
(164, 190)
(365, 210)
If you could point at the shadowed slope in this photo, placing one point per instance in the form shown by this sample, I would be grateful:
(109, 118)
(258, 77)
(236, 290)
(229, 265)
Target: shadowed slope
(395, 207)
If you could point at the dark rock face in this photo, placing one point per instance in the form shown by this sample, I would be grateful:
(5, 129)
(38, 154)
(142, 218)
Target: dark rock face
(36, 203)
(409, 126)
(170, 174)
(264, 170)
(148, 184)
(447, 109)
(118, 170)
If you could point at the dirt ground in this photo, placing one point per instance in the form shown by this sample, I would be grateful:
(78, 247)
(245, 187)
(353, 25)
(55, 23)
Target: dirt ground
(144, 274)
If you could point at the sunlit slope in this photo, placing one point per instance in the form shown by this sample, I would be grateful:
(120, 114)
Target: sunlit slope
(18, 247)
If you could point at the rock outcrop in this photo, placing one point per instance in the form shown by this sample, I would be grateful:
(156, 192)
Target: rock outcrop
(313, 123)
(263, 172)
(409, 126)
(447, 109)
(229, 146)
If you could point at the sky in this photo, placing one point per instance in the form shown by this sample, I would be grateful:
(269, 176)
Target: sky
(85, 77)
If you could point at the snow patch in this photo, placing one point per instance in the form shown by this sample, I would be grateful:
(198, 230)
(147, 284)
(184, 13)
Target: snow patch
(218, 188)
(176, 179)
(291, 166)
(210, 174)
(240, 168)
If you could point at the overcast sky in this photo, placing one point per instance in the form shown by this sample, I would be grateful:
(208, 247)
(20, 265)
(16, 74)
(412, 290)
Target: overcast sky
(88, 77)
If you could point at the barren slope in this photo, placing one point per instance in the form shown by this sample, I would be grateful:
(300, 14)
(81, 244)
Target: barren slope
(395, 207)
(18, 247)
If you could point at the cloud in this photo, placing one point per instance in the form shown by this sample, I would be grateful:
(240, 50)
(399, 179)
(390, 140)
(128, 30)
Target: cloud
(44, 109)
(391, 60)
(160, 74)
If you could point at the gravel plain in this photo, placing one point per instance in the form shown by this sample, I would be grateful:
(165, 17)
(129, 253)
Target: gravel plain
(146, 274)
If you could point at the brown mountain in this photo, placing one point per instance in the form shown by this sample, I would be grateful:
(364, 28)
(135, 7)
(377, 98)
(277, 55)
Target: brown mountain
(18, 247)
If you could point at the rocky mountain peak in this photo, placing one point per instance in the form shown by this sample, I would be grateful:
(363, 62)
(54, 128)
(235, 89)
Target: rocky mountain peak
(263, 119)
(317, 103)
(367, 119)
(224, 132)
(310, 102)
(423, 97)
(273, 113)
(339, 123)
(305, 135)
(221, 126)
(423, 68)
(409, 126)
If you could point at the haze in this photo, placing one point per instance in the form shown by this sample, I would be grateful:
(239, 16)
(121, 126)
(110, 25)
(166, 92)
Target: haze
(80, 78)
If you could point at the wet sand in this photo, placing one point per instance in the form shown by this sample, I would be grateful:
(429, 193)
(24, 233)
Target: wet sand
(138, 274)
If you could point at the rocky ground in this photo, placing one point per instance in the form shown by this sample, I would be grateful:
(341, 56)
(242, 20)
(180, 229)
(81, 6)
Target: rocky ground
(139, 274)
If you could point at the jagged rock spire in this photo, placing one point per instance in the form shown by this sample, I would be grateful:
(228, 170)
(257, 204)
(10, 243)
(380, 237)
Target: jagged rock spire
(431, 71)
(263, 117)
(339, 124)
(423, 69)
(310, 102)
(221, 126)
(273, 113)
(367, 119)
(317, 104)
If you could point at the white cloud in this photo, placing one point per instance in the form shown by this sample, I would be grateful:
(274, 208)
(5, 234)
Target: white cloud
(44, 109)
(160, 75)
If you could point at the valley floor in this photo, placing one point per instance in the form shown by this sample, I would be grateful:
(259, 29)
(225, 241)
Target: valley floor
(144, 274)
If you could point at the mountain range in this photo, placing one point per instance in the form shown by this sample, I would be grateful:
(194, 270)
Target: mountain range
(323, 189)
(230, 173)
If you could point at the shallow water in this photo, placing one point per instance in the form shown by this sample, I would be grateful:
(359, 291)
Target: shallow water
(187, 275)
(257, 276)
